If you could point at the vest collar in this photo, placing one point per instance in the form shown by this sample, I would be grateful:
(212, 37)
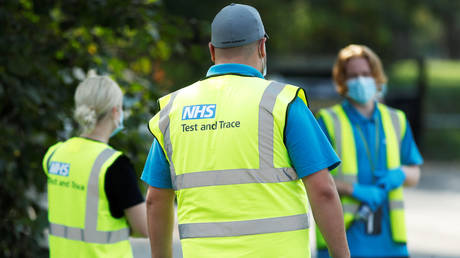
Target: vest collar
(355, 116)
(232, 68)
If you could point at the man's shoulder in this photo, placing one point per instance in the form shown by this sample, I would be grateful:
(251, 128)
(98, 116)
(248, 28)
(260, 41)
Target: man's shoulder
(283, 84)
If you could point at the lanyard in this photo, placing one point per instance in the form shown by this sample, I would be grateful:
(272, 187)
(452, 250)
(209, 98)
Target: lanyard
(366, 144)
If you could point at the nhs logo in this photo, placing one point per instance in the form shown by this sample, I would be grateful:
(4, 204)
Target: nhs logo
(199, 112)
(59, 168)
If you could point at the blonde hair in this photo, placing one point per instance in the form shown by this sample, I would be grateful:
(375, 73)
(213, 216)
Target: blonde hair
(351, 51)
(94, 97)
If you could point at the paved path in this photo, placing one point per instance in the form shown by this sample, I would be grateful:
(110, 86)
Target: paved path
(433, 212)
(432, 215)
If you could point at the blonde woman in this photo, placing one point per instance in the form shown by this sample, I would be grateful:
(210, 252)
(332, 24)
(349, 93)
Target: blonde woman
(93, 197)
(378, 153)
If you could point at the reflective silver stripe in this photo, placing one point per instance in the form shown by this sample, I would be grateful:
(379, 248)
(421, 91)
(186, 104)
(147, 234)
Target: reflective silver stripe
(337, 138)
(78, 234)
(396, 205)
(90, 233)
(350, 207)
(267, 103)
(339, 148)
(164, 128)
(92, 195)
(337, 133)
(235, 176)
(246, 227)
(396, 124)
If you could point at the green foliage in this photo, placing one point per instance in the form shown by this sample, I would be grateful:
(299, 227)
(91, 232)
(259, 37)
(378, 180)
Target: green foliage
(46, 48)
(442, 80)
(442, 96)
(403, 74)
(443, 73)
(441, 138)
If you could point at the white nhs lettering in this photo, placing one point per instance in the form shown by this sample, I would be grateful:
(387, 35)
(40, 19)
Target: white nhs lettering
(59, 168)
(199, 112)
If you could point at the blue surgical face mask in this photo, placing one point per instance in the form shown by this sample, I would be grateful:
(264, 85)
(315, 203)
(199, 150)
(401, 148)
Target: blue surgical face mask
(361, 89)
(120, 125)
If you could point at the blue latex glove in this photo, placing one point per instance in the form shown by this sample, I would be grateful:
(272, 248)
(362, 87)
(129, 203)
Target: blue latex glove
(392, 179)
(370, 194)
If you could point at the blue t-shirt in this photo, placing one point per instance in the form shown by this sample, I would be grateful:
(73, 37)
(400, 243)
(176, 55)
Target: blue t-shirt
(307, 145)
(360, 243)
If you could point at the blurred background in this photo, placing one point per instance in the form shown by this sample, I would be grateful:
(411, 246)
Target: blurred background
(153, 47)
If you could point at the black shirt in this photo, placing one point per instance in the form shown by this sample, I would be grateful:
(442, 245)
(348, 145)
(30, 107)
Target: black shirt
(121, 186)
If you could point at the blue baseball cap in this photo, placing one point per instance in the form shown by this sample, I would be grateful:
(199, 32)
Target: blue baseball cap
(236, 25)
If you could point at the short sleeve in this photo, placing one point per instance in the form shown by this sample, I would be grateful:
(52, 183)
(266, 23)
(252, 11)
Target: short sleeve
(121, 186)
(309, 149)
(156, 170)
(322, 125)
(410, 154)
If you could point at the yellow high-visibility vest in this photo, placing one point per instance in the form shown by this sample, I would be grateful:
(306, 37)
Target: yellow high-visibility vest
(237, 193)
(78, 210)
(340, 132)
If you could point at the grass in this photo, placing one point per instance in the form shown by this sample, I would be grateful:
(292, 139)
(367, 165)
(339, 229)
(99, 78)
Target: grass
(444, 73)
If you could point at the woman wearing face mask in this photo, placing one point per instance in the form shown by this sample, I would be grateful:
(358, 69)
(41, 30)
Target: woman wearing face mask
(93, 198)
(379, 157)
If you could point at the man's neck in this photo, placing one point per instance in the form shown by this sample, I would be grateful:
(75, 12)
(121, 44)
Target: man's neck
(235, 61)
(366, 109)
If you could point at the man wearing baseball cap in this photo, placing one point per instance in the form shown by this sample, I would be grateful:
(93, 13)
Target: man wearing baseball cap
(240, 154)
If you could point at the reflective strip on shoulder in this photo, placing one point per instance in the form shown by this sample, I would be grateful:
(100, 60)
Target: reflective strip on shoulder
(164, 100)
(336, 129)
(246, 227)
(396, 124)
(266, 123)
(392, 130)
(90, 233)
(164, 125)
(349, 166)
(338, 144)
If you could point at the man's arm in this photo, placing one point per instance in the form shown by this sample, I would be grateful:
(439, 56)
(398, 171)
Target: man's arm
(343, 188)
(160, 221)
(412, 175)
(327, 211)
(137, 220)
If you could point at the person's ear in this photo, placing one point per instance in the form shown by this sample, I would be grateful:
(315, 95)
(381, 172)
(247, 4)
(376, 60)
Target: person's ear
(212, 51)
(262, 50)
(114, 112)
